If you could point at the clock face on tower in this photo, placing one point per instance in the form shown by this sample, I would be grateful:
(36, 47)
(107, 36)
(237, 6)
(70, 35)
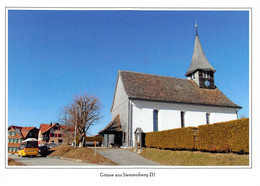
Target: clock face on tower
(206, 83)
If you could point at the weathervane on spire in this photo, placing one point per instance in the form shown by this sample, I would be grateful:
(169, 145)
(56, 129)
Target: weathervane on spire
(196, 26)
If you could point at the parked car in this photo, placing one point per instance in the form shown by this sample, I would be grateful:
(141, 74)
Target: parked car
(52, 144)
(43, 150)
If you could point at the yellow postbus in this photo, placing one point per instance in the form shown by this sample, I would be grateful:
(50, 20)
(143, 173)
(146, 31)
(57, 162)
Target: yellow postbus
(28, 147)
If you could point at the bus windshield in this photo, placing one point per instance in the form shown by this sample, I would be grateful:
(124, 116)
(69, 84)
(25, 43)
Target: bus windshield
(22, 146)
(32, 144)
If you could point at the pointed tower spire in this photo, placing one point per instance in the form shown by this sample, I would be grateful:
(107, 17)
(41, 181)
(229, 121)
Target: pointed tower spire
(200, 69)
(199, 60)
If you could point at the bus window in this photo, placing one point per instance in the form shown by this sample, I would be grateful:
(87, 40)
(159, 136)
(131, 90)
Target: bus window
(32, 144)
(22, 146)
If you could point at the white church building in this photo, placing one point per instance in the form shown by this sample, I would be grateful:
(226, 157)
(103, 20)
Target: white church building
(156, 103)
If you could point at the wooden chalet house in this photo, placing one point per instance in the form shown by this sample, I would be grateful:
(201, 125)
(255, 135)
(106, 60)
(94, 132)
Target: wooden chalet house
(17, 134)
(55, 133)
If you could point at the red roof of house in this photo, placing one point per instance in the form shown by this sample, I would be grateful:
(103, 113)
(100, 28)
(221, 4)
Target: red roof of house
(46, 127)
(26, 130)
(17, 129)
(71, 128)
(22, 131)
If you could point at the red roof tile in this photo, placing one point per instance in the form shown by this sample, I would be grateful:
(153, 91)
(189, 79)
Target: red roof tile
(71, 128)
(45, 127)
(26, 130)
(22, 131)
(17, 129)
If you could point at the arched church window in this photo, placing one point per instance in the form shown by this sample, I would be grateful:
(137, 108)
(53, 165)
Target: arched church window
(155, 120)
(207, 118)
(182, 119)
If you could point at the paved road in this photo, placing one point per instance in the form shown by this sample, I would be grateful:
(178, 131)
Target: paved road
(125, 157)
(120, 156)
(46, 161)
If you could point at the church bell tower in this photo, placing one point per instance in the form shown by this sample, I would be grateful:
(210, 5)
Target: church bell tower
(200, 69)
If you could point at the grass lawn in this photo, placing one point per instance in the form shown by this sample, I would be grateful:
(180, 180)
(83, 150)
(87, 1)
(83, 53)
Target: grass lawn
(12, 162)
(85, 154)
(194, 158)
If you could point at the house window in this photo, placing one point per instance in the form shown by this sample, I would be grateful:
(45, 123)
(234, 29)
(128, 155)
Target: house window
(155, 120)
(57, 127)
(207, 118)
(59, 135)
(12, 133)
(182, 119)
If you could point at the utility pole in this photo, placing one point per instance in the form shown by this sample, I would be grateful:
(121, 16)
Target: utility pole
(75, 135)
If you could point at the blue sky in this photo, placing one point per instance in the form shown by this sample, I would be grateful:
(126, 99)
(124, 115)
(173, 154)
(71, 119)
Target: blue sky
(55, 55)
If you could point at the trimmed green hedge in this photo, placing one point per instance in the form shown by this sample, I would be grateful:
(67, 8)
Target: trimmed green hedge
(95, 138)
(231, 136)
(182, 138)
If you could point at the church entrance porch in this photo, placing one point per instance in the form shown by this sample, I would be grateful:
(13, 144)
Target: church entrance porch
(112, 133)
(112, 139)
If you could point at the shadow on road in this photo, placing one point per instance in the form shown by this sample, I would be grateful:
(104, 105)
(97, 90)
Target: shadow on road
(47, 153)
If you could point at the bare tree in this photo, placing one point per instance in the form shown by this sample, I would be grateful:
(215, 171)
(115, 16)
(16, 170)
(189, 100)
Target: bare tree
(83, 113)
(69, 125)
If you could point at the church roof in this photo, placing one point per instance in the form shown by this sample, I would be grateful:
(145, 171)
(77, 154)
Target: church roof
(169, 89)
(199, 60)
(113, 126)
